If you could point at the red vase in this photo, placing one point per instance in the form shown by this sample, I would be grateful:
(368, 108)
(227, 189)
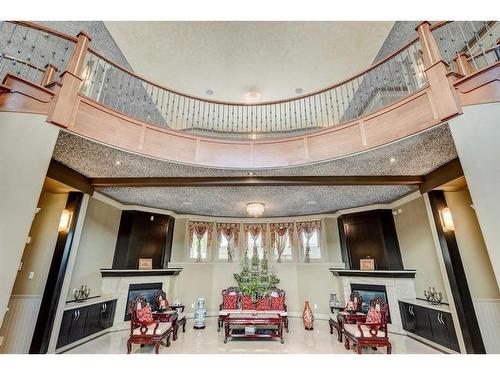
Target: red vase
(307, 316)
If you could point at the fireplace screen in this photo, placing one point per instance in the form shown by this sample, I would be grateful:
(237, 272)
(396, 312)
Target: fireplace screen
(146, 290)
(368, 292)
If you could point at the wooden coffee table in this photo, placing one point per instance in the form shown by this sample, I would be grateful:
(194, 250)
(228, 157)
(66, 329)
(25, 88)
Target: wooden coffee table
(259, 321)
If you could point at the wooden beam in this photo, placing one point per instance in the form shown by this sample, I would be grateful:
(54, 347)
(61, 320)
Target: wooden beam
(440, 176)
(70, 177)
(255, 181)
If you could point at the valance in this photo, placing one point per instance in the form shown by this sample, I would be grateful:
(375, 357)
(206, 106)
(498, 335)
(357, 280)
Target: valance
(308, 226)
(255, 230)
(229, 231)
(199, 228)
(280, 229)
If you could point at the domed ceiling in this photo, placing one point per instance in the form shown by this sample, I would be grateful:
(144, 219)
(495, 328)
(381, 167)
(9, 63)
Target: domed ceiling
(227, 60)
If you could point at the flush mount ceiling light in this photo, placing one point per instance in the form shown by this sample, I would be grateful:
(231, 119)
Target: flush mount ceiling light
(252, 96)
(392, 160)
(255, 209)
(118, 162)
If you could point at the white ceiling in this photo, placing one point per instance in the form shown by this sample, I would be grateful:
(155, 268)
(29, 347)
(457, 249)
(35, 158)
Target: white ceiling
(233, 58)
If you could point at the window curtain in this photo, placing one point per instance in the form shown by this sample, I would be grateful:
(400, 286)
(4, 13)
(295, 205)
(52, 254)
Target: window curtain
(279, 231)
(255, 230)
(198, 229)
(308, 228)
(229, 232)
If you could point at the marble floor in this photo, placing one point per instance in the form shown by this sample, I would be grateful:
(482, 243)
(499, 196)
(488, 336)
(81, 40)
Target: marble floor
(209, 341)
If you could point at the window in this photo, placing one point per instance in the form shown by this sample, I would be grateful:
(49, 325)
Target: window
(287, 253)
(250, 244)
(223, 245)
(193, 252)
(314, 245)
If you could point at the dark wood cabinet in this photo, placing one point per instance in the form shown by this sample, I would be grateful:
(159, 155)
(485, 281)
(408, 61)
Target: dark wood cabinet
(81, 322)
(429, 323)
(370, 234)
(143, 235)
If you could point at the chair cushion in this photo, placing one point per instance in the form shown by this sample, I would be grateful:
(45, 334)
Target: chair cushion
(162, 328)
(246, 303)
(373, 316)
(263, 304)
(230, 302)
(145, 315)
(354, 331)
(278, 303)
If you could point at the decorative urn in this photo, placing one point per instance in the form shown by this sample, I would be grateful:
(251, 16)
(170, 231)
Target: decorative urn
(200, 314)
(307, 317)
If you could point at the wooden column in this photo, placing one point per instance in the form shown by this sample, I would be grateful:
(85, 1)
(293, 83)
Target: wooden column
(443, 94)
(456, 276)
(64, 104)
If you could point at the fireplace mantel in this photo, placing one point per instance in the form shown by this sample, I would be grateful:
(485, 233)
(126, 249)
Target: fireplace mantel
(400, 274)
(135, 273)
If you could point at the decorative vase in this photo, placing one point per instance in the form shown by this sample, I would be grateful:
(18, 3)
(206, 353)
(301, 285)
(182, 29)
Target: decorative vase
(307, 317)
(200, 314)
(334, 302)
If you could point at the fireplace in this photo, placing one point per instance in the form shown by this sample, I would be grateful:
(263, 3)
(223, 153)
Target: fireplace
(370, 291)
(147, 290)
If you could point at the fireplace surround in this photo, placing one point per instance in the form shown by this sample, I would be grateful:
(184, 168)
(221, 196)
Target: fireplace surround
(370, 291)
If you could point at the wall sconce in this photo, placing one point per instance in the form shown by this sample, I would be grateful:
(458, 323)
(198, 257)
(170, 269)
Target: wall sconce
(65, 221)
(447, 219)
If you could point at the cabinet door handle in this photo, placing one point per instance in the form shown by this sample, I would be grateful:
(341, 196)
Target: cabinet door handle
(74, 315)
(105, 307)
(439, 318)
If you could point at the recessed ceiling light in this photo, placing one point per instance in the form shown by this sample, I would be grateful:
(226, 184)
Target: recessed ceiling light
(392, 160)
(118, 162)
(187, 203)
(252, 96)
(299, 90)
(210, 92)
(250, 173)
(311, 202)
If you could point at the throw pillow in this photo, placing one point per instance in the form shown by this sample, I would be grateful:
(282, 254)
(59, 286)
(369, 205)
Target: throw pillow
(263, 304)
(230, 302)
(246, 303)
(278, 303)
(145, 315)
(373, 316)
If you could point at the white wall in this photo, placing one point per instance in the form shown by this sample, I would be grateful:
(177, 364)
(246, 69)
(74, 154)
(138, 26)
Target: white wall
(26, 146)
(476, 134)
(417, 247)
(97, 246)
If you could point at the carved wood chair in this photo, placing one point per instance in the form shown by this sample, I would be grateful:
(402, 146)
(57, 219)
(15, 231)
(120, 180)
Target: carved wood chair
(276, 292)
(372, 332)
(338, 318)
(146, 332)
(231, 291)
(163, 309)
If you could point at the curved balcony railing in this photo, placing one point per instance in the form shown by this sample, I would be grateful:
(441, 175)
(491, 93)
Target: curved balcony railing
(383, 84)
(26, 49)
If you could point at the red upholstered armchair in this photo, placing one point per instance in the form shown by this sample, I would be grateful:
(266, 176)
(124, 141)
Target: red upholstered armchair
(372, 332)
(347, 314)
(230, 301)
(144, 330)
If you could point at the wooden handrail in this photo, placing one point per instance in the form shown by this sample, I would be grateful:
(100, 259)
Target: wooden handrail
(33, 25)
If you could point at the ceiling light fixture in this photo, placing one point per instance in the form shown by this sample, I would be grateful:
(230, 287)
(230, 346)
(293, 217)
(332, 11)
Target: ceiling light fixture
(255, 209)
(252, 96)
(118, 162)
(250, 173)
(187, 203)
(392, 160)
(210, 92)
(311, 202)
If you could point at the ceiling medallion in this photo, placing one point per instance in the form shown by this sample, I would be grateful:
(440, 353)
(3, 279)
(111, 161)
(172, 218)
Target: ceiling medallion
(255, 209)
